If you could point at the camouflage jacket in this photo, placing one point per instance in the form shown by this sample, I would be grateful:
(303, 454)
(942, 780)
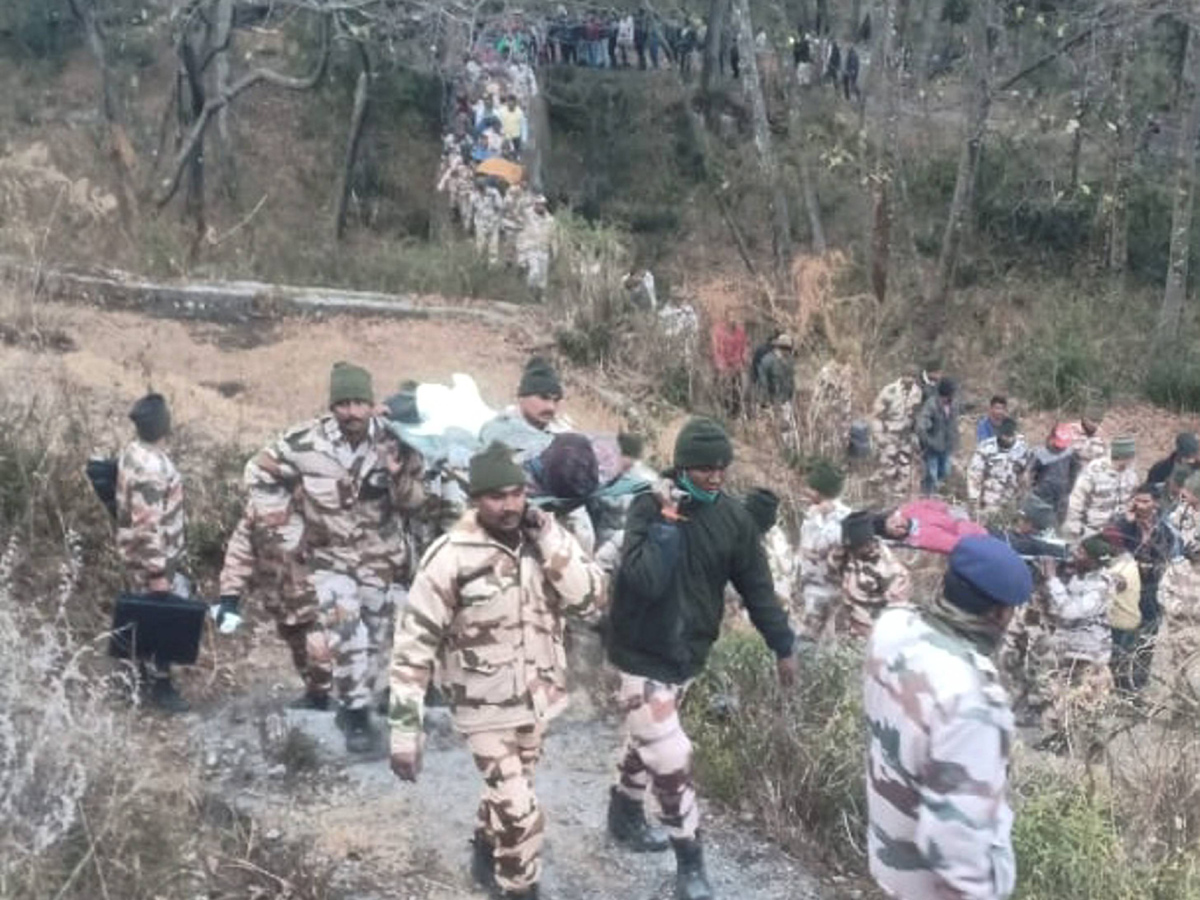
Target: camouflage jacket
(940, 729)
(354, 511)
(870, 583)
(1179, 594)
(265, 553)
(1087, 449)
(1100, 492)
(894, 414)
(492, 619)
(1185, 519)
(150, 521)
(820, 535)
(782, 560)
(487, 209)
(994, 475)
(536, 233)
(1078, 612)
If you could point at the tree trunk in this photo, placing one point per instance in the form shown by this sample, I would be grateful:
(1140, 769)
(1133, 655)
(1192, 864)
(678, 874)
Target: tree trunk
(222, 40)
(979, 104)
(781, 229)
(120, 148)
(718, 11)
(357, 118)
(1170, 315)
(884, 149)
(931, 13)
(1122, 164)
(1082, 104)
(191, 102)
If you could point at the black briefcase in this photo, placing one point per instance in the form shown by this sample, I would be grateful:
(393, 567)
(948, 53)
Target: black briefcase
(163, 627)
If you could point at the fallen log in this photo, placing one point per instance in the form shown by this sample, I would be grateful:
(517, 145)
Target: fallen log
(240, 301)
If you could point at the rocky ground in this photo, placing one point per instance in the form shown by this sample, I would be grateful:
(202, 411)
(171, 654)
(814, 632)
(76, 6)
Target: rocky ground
(385, 840)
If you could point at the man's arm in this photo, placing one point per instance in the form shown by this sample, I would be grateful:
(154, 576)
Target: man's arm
(406, 468)
(1077, 505)
(142, 531)
(751, 575)
(432, 603)
(975, 473)
(962, 816)
(573, 575)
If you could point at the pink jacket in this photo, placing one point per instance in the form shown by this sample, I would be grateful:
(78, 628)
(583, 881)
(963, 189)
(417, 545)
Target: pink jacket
(729, 347)
(936, 527)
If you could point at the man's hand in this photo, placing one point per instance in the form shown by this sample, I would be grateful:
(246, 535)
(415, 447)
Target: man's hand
(788, 670)
(535, 522)
(406, 757)
(225, 614)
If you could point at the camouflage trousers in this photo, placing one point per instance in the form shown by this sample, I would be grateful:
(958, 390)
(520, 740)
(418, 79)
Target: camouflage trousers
(1080, 692)
(310, 654)
(536, 264)
(1026, 661)
(509, 818)
(358, 623)
(895, 466)
(657, 754)
(820, 602)
(487, 239)
(783, 421)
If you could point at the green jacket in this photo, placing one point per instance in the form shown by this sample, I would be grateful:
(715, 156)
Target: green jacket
(669, 593)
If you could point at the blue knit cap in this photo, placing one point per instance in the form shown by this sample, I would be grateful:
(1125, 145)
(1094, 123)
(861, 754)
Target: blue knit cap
(993, 569)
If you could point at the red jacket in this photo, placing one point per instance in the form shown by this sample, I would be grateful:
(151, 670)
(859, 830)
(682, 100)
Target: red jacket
(729, 347)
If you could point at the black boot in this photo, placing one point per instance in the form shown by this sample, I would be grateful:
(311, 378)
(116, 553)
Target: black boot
(163, 696)
(360, 734)
(628, 826)
(691, 881)
(483, 863)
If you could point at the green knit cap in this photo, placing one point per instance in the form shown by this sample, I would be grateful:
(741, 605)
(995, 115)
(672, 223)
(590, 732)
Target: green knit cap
(539, 378)
(702, 443)
(1098, 548)
(858, 529)
(349, 382)
(493, 469)
(1123, 447)
(826, 479)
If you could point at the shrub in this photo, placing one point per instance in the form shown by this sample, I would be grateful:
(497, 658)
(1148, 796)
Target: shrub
(1063, 362)
(1174, 380)
(793, 757)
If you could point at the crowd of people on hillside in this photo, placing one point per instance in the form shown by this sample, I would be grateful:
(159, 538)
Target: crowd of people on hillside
(1069, 580)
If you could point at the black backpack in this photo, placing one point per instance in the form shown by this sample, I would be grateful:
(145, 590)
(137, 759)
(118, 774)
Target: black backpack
(102, 473)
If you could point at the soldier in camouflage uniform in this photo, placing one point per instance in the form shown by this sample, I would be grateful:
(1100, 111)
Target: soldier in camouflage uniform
(940, 729)
(265, 555)
(536, 244)
(1102, 490)
(348, 484)
(150, 526)
(820, 535)
(487, 213)
(1089, 444)
(893, 423)
(1026, 657)
(488, 607)
(1081, 644)
(871, 578)
(994, 474)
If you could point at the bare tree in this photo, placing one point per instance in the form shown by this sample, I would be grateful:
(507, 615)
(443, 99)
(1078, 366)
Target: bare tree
(1170, 314)
(1124, 41)
(978, 107)
(718, 12)
(358, 117)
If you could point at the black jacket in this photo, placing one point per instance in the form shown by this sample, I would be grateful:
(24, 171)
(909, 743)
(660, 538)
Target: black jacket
(1161, 470)
(669, 593)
